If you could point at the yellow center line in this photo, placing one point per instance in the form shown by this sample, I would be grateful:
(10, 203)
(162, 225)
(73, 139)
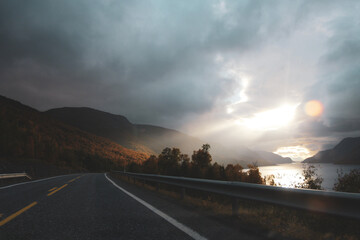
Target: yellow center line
(14, 215)
(75, 179)
(52, 189)
(49, 194)
(71, 180)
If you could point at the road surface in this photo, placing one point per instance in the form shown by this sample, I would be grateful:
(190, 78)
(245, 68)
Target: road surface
(94, 206)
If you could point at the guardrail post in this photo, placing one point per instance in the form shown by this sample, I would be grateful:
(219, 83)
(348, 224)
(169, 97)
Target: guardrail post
(183, 193)
(134, 179)
(235, 206)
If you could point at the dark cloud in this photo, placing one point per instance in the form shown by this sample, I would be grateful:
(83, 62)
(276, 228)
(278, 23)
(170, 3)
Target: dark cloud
(167, 62)
(339, 84)
(152, 61)
(144, 60)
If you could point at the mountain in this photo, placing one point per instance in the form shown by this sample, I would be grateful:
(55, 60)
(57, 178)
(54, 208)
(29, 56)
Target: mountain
(114, 127)
(239, 155)
(274, 158)
(144, 138)
(85, 138)
(29, 134)
(345, 152)
(151, 139)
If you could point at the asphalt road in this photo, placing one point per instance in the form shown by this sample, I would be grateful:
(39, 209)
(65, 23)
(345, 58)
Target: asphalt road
(92, 206)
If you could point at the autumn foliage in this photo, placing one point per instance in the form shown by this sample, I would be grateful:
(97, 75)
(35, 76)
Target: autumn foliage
(29, 134)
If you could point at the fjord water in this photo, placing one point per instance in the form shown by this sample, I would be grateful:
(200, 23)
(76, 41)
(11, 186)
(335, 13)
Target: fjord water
(291, 174)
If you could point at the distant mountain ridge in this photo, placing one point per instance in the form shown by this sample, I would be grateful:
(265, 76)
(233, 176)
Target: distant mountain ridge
(153, 139)
(347, 151)
(274, 158)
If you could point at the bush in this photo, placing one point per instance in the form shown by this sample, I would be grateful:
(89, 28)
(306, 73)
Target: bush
(253, 175)
(312, 180)
(349, 182)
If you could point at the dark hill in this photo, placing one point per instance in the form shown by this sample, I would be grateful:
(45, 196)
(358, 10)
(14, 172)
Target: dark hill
(29, 134)
(345, 152)
(274, 158)
(157, 138)
(144, 138)
(100, 119)
(114, 127)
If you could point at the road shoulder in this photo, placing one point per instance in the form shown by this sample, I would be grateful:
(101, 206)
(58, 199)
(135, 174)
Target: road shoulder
(208, 225)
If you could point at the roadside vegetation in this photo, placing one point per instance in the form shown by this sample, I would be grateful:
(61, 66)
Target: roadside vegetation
(274, 222)
(173, 163)
(311, 178)
(268, 220)
(349, 182)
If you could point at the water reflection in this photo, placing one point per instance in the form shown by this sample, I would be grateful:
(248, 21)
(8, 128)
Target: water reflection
(291, 174)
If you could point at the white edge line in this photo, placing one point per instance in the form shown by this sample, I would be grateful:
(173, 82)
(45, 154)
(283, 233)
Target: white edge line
(171, 220)
(40, 180)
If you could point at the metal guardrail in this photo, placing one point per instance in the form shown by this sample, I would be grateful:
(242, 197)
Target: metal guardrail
(337, 203)
(13, 175)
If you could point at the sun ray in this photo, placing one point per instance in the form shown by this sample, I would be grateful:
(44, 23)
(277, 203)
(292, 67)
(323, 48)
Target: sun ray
(271, 119)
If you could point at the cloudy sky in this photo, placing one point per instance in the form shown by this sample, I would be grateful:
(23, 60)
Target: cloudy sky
(236, 72)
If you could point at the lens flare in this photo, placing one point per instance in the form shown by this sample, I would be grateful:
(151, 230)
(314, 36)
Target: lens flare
(314, 108)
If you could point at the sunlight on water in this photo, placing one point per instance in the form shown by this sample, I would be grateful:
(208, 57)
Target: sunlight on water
(290, 175)
(286, 175)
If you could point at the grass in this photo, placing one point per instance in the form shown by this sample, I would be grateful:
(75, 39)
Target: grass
(273, 221)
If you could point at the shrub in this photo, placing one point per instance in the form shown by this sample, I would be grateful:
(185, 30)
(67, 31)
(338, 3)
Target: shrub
(349, 182)
(312, 180)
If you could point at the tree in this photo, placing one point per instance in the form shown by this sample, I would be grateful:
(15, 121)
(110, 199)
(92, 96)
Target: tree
(253, 175)
(206, 147)
(185, 167)
(311, 178)
(134, 167)
(150, 165)
(202, 157)
(169, 161)
(233, 172)
(349, 182)
(216, 172)
(201, 160)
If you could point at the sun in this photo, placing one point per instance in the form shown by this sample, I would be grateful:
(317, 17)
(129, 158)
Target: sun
(270, 119)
